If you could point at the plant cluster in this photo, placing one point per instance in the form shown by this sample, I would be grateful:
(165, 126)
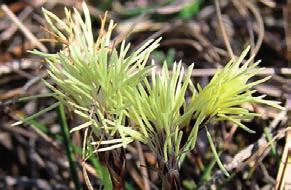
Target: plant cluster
(122, 99)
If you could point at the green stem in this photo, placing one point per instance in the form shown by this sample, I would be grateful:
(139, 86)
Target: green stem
(69, 148)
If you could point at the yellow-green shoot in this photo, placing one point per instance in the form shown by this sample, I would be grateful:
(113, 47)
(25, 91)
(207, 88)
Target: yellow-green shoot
(159, 106)
(92, 76)
(120, 103)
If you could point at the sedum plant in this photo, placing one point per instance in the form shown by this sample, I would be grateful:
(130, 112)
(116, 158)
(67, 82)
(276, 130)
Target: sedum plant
(121, 99)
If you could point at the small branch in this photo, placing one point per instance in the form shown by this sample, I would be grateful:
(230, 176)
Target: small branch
(23, 28)
(240, 160)
(260, 28)
(11, 66)
(144, 171)
(225, 38)
(9, 32)
(123, 35)
(159, 33)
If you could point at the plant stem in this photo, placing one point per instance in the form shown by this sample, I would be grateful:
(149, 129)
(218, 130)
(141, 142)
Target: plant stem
(114, 160)
(171, 181)
(169, 172)
(69, 148)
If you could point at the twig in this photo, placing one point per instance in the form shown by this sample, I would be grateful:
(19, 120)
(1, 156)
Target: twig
(6, 35)
(8, 67)
(135, 176)
(29, 182)
(270, 90)
(260, 27)
(123, 35)
(23, 28)
(159, 33)
(86, 177)
(31, 82)
(144, 171)
(269, 3)
(252, 37)
(224, 35)
(183, 41)
(276, 120)
(251, 152)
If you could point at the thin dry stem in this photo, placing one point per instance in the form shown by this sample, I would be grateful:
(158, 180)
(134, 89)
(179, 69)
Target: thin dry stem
(23, 28)
(86, 177)
(260, 23)
(144, 171)
(224, 35)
